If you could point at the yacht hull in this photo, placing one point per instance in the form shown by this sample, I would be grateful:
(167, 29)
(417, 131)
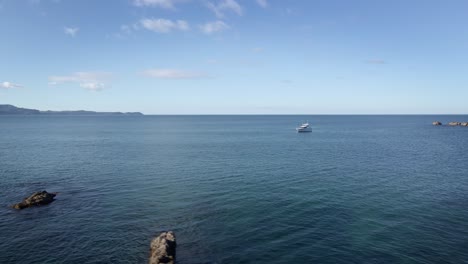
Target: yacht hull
(299, 130)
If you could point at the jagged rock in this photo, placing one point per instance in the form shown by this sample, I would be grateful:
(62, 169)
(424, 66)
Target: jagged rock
(464, 124)
(37, 198)
(454, 123)
(163, 249)
(437, 123)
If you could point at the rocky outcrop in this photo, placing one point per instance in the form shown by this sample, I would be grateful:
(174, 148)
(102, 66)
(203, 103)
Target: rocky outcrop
(437, 123)
(454, 123)
(464, 124)
(163, 249)
(37, 198)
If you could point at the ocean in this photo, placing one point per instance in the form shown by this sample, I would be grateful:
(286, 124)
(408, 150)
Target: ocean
(235, 189)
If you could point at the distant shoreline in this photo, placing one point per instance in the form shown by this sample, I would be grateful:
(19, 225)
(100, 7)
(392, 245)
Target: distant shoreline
(13, 110)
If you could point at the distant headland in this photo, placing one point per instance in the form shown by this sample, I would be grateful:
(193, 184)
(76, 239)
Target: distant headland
(13, 110)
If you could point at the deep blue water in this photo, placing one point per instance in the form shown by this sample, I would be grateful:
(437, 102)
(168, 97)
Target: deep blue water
(235, 189)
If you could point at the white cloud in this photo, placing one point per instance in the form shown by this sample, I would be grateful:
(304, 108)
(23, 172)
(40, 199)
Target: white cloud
(213, 27)
(173, 74)
(164, 25)
(225, 5)
(93, 81)
(167, 4)
(71, 31)
(9, 85)
(262, 3)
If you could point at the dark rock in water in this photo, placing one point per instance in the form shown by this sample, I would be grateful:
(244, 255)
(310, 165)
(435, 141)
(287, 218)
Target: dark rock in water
(37, 198)
(454, 123)
(437, 123)
(163, 249)
(464, 124)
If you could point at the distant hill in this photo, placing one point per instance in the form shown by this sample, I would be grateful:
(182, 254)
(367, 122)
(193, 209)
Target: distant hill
(13, 110)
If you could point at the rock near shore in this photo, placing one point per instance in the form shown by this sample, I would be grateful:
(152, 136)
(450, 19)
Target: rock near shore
(163, 249)
(436, 123)
(36, 199)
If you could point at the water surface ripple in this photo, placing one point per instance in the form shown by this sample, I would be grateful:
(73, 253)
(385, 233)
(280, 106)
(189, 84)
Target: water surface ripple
(236, 189)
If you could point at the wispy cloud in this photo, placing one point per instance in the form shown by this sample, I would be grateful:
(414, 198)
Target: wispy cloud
(262, 3)
(167, 4)
(93, 81)
(225, 5)
(213, 27)
(71, 31)
(164, 25)
(93, 86)
(174, 74)
(10, 85)
(376, 61)
(126, 29)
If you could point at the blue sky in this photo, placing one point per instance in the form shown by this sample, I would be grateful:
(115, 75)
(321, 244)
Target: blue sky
(236, 56)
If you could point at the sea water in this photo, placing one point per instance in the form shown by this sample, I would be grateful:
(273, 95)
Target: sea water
(235, 189)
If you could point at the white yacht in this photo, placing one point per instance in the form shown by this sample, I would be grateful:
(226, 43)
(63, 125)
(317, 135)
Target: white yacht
(304, 127)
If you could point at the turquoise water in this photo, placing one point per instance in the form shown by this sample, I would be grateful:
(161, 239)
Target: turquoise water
(236, 189)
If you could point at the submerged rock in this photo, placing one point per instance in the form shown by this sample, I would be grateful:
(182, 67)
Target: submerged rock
(163, 249)
(37, 198)
(454, 123)
(437, 123)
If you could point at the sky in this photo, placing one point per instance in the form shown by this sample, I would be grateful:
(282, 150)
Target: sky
(236, 56)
